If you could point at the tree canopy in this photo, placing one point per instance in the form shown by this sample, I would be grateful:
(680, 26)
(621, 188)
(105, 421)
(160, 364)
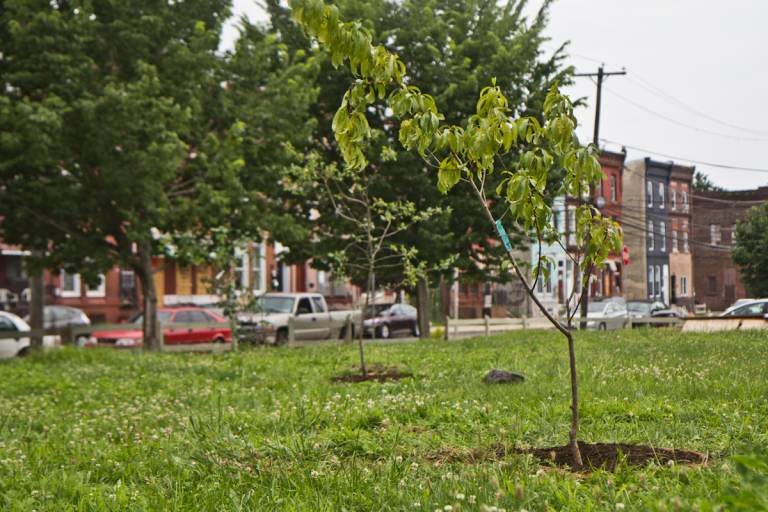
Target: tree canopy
(750, 250)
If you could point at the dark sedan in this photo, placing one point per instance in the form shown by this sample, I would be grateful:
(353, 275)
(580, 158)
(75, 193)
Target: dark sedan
(390, 319)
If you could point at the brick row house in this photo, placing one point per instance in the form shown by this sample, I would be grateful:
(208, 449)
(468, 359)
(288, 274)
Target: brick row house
(716, 277)
(657, 225)
(117, 297)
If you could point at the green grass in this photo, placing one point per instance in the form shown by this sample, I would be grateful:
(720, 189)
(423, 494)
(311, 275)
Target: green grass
(265, 429)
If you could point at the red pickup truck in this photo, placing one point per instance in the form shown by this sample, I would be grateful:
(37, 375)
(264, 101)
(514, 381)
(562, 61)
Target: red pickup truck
(172, 335)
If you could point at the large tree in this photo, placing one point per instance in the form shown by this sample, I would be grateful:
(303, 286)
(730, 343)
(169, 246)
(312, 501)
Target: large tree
(126, 135)
(750, 250)
(456, 47)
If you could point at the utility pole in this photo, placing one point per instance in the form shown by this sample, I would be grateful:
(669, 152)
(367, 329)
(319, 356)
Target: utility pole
(600, 75)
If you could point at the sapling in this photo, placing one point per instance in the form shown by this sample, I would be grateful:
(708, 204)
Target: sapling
(490, 140)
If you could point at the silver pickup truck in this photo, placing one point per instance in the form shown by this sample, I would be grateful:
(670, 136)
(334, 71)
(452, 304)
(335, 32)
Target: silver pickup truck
(307, 312)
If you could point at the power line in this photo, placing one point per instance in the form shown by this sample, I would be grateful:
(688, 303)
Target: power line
(680, 123)
(700, 162)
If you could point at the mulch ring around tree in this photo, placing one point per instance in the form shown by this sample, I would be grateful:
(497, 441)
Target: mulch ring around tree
(375, 373)
(605, 456)
(608, 455)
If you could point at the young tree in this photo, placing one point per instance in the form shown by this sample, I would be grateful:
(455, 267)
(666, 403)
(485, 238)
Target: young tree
(365, 223)
(490, 141)
(486, 39)
(750, 250)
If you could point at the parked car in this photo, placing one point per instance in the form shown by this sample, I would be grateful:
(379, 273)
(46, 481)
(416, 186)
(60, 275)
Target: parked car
(652, 308)
(10, 347)
(59, 317)
(605, 309)
(753, 308)
(388, 319)
(272, 312)
(132, 336)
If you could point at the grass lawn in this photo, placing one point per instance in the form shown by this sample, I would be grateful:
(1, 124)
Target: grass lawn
(265, 429)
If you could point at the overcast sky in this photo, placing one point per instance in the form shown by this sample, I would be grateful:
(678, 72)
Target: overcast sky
(697, 73)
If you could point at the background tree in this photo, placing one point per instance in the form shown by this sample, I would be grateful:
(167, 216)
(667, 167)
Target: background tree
(122, 125)
(750, 250)
(455, 47)
(525, 153)
(702, 183)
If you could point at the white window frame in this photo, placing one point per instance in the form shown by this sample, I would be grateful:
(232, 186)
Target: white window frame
(684, 200)
(663, 236)
(683, 286)
(715, 236)
(614, 185)
(649, 193)
(651, 281)
(242, 268)
(675, 247)
(686, 248)
(672, 198)
(650, 236)
(260, 259)
(658, 281)
(100, 291)
(75, 292)
(661, 195)
(733, 234)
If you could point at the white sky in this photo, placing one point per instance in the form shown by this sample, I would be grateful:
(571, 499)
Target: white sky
(711, 56)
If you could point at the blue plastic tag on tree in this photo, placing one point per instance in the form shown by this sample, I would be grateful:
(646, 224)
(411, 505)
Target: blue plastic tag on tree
(503, 235)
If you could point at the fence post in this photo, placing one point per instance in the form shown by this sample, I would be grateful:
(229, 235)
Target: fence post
(291, 330)
(447, 327)
(69, 335)
(487, 326)
(525, 321)
(160, 336)
(348, 329)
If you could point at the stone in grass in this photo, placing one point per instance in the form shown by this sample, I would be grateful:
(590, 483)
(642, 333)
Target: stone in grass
(497, 376)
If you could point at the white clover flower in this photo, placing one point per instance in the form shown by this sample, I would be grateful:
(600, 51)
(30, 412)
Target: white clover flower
(314, 474)
(460, 497)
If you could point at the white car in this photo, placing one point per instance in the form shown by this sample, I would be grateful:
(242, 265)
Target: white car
(12, 347)
(605, 309)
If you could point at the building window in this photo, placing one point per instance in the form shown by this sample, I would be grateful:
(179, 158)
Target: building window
(711, 285)
(100, 290)
(714, 234)
(683, 286)
(650, 282)
(649, 193)
(571, 225)
(661, 195)
(241, 268)
(733, 234)
(673, 198)
(258, 268)
(685, 241)
(658, 281)
(70, 284)
(614, 192)
(549, 277)
(650, 235)
(663, 236)
(684, 200)
(674, 241)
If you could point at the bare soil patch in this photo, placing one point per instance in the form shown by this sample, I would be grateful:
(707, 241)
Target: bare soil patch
(375, 373)
(608, 455)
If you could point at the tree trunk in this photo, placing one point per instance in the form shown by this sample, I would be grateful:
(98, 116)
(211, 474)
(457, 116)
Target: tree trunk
(423, 306)
(149, 298)
(366, 307)
(36, 304)
(574, 432)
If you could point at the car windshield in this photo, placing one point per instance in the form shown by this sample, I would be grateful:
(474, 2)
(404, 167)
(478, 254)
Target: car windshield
(596, 307)
(274, 304)
(377, 309)
(163, 316)
(639, 307)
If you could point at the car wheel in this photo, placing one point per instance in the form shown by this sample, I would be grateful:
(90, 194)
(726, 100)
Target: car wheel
(218, 339)
(416, 332)
(281, 337)
(23, 352)
(384, 331)
(343, 333)
(602, 326)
